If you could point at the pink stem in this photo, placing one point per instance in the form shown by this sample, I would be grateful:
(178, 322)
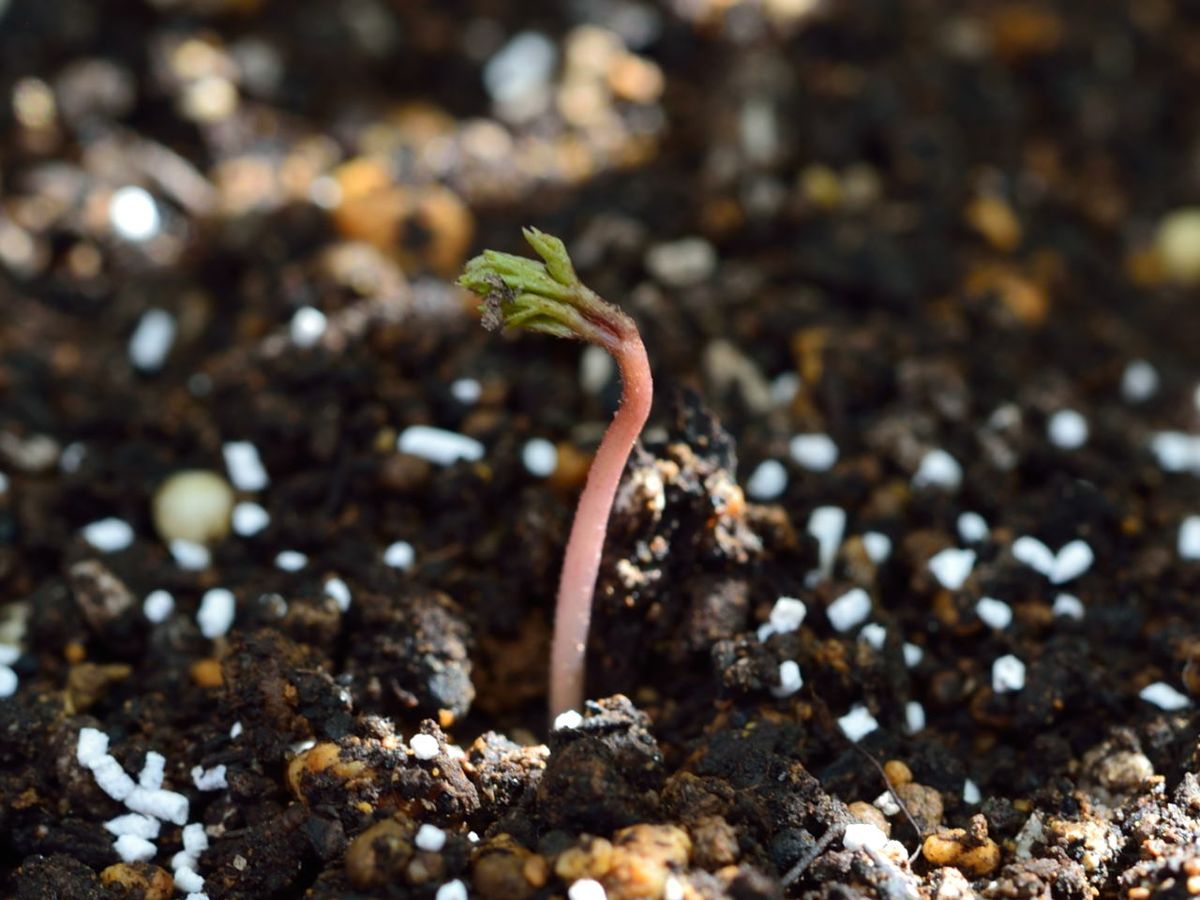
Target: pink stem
(581, 564)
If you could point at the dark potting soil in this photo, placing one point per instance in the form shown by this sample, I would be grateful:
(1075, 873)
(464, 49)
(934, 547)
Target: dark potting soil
(899, 590)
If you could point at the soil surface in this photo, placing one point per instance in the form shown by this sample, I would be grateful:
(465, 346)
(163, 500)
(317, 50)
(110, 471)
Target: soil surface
(899, 594)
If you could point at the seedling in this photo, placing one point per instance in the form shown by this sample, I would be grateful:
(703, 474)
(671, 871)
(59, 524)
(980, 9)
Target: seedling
(548, 297)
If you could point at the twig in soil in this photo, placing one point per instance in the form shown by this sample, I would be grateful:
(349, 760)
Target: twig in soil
(899, 802)
(832, 833)
(548, 297)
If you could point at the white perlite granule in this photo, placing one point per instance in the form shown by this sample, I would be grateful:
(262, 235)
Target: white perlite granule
(857, 723)
(245, 466)
(790, 679)
(849, 610)
(1164, 696)
(424, 746)
(218, 607)
(938, 469)
(952, 567)
(132, 848)
(430, 837)
(134, 824)
(337, 589)
(569, 719)
(439, 446)
(861, 836)
(209, 779)
(1008, 674)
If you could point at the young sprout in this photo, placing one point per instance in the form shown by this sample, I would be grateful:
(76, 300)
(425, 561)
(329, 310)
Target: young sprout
(548, 297)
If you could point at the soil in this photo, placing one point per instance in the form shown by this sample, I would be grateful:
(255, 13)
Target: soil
(915, 229)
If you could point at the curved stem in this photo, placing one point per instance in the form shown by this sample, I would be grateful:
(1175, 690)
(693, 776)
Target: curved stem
(548, 297)
(581, 564)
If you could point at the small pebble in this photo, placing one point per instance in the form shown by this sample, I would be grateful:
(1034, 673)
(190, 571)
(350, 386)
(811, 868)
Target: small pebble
(938, 469)
(827, 524)
(1177, 243)
(466, 391)
(790, 679)
(1008, 674)
(540, 457)
(1068, 606)
(437, 445)
(972, 528)
(158, 606)
(914, 717)
(1073, 559)
(151, 340)
(192, 505)
(587, 889)
(1164, 696)
(1067, 429)
(863, 836)
(399, 555)
(849, 610)
(132, 848)
(133, 214)
(815, 452)
(878, 546)
(970, 792)
(307, 326)
(109, 535)
(682, 263)
(1189, 538)
(994, 613)
(1139, 381)
(9, 654)
(424, 746)
(952, 567)
(857, 723)
(768, 480)
(452, 890)
(339, 592)
(290, 560)
(218, 607)
(249, 519)
(245, 466)
(189, 556)
(236, 730)
(430, 837)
